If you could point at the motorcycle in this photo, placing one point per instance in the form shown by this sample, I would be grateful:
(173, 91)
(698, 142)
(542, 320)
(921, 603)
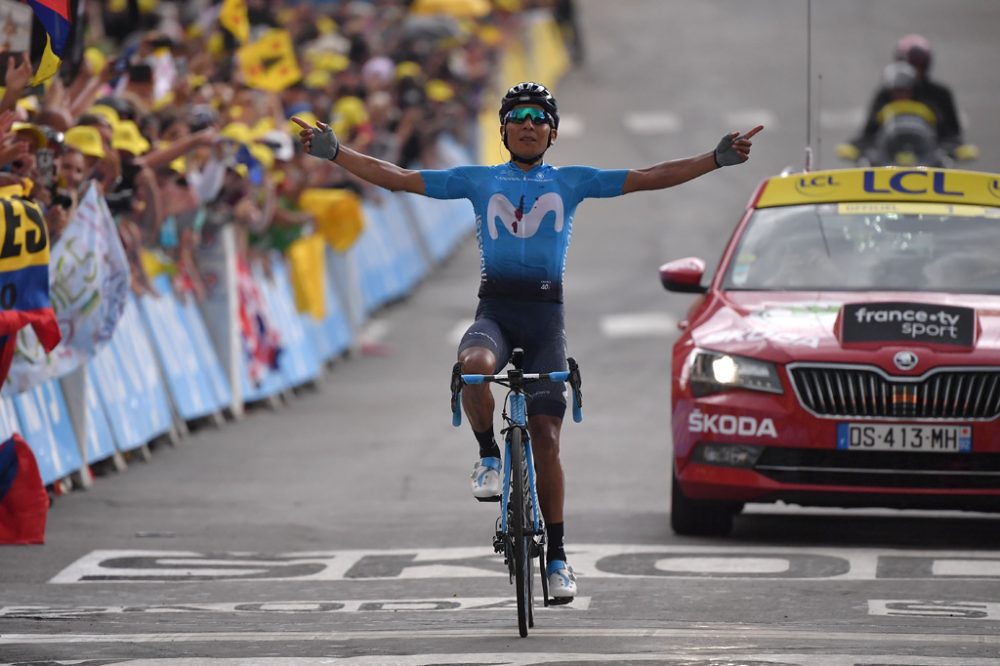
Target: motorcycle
(907, 136)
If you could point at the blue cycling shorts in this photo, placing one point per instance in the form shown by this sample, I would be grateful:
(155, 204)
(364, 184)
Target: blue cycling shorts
(536, 327)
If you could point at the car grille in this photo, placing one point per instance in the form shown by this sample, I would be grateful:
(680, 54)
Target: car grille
(891, 469)
(968, 394)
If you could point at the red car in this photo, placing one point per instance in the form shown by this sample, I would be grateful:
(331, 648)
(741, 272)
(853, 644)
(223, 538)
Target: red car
(847, 350)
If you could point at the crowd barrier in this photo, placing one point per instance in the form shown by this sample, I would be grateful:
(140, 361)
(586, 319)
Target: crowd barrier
(172, 361)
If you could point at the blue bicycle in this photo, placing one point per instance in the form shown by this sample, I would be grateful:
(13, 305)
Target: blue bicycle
(520, 532)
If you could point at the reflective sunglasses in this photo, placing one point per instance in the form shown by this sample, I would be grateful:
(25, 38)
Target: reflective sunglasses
(519, 115)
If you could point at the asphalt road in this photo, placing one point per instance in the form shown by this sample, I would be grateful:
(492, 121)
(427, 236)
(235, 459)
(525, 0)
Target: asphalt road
(339, 529)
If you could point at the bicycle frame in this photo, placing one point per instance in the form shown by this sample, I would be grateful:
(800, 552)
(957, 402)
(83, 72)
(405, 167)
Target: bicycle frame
(518, 419)
(506, 541)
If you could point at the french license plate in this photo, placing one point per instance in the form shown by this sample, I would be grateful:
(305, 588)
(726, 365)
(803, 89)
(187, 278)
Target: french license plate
(881, 437)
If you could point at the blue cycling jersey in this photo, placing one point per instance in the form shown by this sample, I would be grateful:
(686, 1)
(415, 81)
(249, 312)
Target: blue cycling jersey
(524, 220)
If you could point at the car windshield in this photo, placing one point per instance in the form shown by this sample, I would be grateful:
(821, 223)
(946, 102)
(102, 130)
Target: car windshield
(869, 246)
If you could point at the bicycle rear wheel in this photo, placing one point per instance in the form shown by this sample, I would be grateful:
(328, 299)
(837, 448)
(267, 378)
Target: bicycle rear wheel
(520, 531)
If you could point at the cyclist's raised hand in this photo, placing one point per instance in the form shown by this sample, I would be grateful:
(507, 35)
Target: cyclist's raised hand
(734, 148)
(319, 141)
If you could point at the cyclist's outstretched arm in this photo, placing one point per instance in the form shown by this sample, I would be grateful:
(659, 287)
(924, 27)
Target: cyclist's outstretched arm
(321, 142)
(734, 148)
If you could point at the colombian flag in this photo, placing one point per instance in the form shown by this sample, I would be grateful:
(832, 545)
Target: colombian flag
(24, 275)
(54, 17)
(24, 504)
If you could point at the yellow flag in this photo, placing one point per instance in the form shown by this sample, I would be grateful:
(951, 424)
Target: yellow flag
(269, 63)
(338, 214)
(307, 259)
(48, 66)
(233, 17)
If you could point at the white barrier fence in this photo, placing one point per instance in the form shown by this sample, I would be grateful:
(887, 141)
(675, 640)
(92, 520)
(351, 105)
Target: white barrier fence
(172, 361)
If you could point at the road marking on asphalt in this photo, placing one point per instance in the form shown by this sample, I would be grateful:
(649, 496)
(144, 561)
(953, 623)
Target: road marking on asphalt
(701, 633)
(297, 607)
(671, 658)
(726, 565)
(595, 560)
(639, 325)
(747, 119)
(963, 567)
(570, 126)
(842, 119)
(652, 122)
(965, 610)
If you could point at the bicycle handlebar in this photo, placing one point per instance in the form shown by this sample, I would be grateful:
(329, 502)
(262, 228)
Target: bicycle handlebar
(458, 380)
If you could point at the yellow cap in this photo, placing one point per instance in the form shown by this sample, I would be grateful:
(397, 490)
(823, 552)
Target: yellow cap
(490, 35)
(107, 112)
(328, 62)
(86, 139)
(456, 8)
(33, 131)
(179, 164)
(326, 25)
(238, 132)
(96, 60)
(216, 44)
(407, 68)
(317, 79)
(261, 127)
(350, 109)
(127, 137)
(439, 91)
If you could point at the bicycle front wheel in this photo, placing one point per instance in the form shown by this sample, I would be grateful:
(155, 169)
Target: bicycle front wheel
(520, 531)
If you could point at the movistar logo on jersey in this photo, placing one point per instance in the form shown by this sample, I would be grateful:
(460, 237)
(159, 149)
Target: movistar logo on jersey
(521, 223)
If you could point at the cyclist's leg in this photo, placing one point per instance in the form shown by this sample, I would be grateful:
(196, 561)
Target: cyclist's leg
(544, 431)
(546, 351)
(482, 350)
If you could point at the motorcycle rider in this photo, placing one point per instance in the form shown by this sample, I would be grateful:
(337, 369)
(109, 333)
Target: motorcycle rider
(898, 82)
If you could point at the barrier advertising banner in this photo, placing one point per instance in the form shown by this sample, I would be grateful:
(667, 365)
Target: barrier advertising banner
(88, 285)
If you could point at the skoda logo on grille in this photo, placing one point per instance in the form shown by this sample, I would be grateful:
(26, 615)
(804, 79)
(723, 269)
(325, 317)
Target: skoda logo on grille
(905, 360)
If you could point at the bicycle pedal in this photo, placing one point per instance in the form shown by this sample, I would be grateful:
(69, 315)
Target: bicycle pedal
(492, 498)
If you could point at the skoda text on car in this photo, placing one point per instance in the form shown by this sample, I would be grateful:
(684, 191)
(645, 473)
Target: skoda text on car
(847, 350)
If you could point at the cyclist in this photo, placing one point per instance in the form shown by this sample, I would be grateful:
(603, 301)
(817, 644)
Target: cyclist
(524, 212)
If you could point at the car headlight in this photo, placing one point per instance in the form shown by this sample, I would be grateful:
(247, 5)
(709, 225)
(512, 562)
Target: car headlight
(712, 372)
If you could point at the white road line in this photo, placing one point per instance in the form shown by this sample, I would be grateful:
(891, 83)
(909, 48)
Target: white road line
(652, 122)
(759, 563)
(842, 119)
(374, 332)
(702, 634)
(966, 567)
(527, 658)
(638, 325)
(570, 126)
(300, 607)
(458, 330)
(746, 119)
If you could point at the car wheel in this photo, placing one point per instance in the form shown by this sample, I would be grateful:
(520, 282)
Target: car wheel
(693, 517)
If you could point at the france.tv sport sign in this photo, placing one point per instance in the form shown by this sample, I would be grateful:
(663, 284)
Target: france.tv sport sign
(908, 322)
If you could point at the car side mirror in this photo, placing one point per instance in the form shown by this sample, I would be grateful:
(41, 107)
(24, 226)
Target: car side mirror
(683, 275)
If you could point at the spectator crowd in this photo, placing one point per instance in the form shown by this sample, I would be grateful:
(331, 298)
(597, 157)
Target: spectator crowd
(178, 113)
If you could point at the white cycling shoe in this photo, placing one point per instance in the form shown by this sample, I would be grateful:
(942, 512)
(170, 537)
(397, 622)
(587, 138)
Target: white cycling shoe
(486, 480)
(562, 581)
